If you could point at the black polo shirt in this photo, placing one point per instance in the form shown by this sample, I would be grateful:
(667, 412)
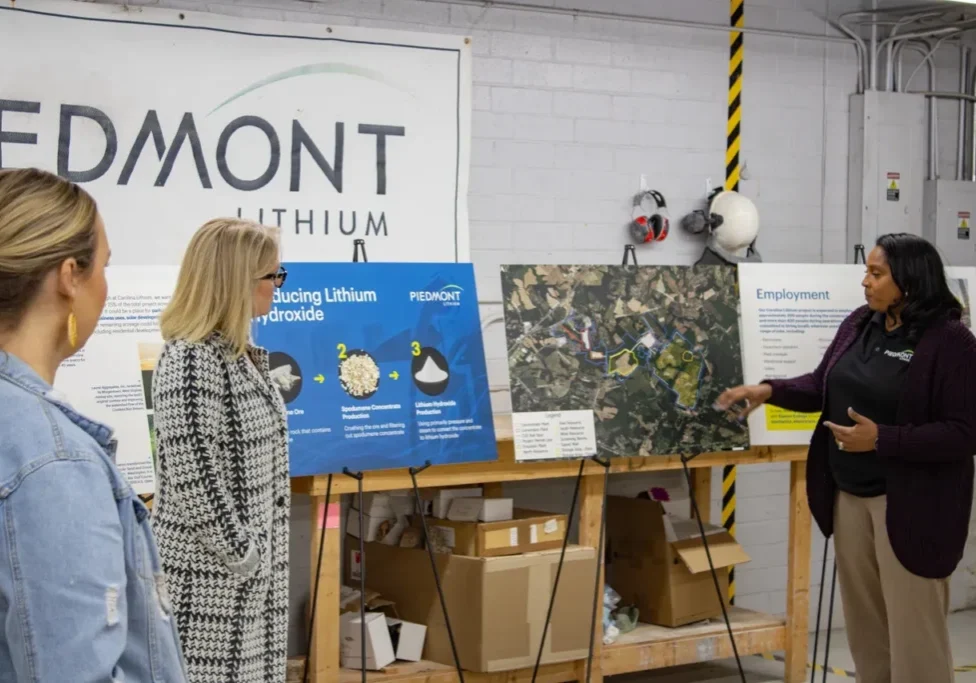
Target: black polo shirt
(867, 378)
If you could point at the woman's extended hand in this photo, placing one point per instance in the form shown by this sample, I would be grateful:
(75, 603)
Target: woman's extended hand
(861, 438)
(753, 395)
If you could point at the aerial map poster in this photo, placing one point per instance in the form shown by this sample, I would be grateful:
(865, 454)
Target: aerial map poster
(642, 351)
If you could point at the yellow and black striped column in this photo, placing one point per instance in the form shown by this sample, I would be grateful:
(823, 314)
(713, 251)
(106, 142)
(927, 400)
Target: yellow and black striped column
(733, 137)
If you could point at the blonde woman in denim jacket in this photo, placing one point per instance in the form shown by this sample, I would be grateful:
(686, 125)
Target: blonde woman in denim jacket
(81, 592)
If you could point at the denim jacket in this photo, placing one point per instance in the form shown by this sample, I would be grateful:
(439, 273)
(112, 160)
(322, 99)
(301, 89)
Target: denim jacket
(82, 596)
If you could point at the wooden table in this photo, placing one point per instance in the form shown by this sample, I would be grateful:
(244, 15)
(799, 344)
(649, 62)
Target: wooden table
(647, 647)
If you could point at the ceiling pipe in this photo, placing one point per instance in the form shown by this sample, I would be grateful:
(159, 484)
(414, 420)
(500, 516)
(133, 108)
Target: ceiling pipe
(926, 49)
(639, 18)
(873, 82)
(871, 56)
(964, 53)
(929, 60)
(972, 127)
(860, 48)
(963, 96)
(946, 31)
(890, 80)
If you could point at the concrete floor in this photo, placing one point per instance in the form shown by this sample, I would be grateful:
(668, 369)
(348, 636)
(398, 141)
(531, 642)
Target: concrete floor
(758, 670)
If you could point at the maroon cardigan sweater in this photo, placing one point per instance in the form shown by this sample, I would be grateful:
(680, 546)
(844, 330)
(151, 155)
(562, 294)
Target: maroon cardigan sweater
(928, 453)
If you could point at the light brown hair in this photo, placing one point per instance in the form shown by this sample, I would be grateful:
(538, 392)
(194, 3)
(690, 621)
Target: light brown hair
(214, 292)
(44, 220)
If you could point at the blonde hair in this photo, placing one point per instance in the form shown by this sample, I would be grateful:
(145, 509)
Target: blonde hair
(214, 292)
(44, 220)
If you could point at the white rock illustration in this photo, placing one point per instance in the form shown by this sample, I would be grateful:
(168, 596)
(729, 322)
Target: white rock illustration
(284, 377)
(430, 373)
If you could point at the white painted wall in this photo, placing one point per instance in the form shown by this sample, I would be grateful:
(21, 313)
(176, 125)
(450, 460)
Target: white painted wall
(569, 112)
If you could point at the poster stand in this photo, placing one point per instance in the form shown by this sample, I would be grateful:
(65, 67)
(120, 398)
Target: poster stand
(414, 471)
(859, 257)
(600, 558)
(685, 459)
(559, 571)
(358, 476)
(359, 256)
(318, 576)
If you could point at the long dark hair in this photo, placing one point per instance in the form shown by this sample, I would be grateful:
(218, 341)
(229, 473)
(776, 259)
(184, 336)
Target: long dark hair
(919, 273)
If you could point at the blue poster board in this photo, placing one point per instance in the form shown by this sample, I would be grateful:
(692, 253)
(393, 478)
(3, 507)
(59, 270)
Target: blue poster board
(381, 365)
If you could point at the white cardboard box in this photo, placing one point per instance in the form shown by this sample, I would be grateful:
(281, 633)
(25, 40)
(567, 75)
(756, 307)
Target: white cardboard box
(481, 510)
(379, 646)
(410, 639)
(444, 497)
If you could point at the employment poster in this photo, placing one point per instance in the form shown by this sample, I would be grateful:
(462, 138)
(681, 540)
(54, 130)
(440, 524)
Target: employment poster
(110, 379)
(380, 365)
(790, 314)
(621, 360)
(171, 118)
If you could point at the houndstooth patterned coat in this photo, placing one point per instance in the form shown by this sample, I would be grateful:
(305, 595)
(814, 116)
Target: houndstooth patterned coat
(221, 510)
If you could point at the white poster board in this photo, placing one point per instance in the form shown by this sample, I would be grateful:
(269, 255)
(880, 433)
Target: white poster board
(172, 118)
(789, 315)
(110, 379)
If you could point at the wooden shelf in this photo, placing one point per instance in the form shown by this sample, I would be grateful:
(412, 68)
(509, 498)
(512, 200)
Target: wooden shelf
(505, 468)
(643, 648)
(647, 647)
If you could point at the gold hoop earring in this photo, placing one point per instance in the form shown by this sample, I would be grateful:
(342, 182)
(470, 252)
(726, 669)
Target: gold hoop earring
(72, 331)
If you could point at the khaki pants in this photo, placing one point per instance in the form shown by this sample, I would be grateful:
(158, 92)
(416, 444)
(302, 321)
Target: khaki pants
(896, 622)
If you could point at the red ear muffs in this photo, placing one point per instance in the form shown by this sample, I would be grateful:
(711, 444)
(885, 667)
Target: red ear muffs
(652, 228)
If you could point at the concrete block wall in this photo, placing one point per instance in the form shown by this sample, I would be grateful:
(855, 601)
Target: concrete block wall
(570, 112)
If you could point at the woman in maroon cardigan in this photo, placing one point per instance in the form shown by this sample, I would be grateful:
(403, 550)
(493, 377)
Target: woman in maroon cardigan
(890, 467)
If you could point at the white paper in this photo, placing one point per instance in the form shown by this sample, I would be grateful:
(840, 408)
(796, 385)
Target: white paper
(110, 379)
(790, 315)
(392, 151)
(555, 435)
(513, 536)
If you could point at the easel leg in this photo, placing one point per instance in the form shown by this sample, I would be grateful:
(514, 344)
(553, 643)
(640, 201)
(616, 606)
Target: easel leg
(323, 655)
(590, 518)
(798, 577)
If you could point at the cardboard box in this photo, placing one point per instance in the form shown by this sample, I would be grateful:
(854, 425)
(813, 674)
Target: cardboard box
(408, 639)
(379, 647)
(349, 602)
(497, 606)
(481, 510)
(659, 564)
(440, 499)
(529, 531)
(382, 529)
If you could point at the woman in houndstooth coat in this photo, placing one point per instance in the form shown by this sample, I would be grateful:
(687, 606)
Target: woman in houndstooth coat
(223, 499)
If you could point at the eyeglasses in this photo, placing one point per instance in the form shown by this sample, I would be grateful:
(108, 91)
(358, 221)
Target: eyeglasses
(278, 278)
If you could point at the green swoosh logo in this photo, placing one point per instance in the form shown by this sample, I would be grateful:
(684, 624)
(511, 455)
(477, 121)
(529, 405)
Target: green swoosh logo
(311, 70)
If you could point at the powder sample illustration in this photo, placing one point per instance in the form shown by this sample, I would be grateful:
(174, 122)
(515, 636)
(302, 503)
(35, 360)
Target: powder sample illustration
(359, 375)
(430, 373)
(285, 379)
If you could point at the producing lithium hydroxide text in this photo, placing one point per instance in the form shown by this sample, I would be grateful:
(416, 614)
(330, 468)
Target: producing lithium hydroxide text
(309, 302)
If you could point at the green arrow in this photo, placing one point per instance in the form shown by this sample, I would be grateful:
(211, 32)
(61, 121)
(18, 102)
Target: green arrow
(319, 378)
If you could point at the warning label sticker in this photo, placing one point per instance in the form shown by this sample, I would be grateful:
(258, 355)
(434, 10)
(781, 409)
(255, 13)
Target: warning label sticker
(962, 229)
(892, 180)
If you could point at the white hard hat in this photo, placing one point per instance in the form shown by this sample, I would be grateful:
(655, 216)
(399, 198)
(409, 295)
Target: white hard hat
(740, 224)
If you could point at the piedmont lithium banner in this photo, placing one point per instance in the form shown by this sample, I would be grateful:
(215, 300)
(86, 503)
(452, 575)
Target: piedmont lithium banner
(790, 314)
(172, 118)
(380, 366)
(110, 379)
